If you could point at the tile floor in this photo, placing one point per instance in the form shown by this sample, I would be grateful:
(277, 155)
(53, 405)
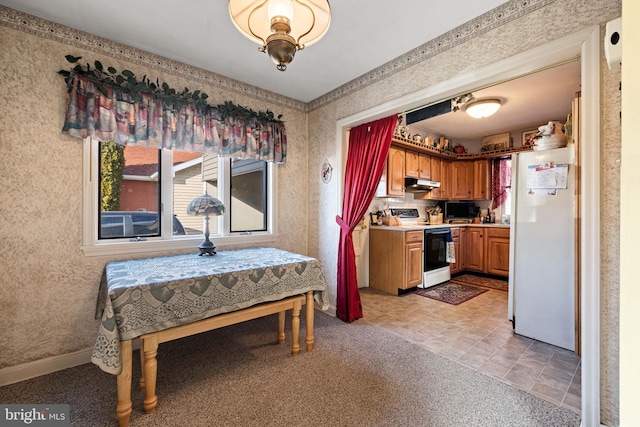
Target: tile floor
(478, 334)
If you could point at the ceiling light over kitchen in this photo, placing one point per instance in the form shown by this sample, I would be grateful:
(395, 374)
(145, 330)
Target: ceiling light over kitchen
(483, 108)
(282, 27)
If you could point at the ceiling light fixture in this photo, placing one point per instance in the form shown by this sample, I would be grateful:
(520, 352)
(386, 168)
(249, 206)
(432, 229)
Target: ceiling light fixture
(282, 27)
(483, 108)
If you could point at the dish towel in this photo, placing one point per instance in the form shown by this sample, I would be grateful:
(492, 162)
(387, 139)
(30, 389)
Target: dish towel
(451, 251)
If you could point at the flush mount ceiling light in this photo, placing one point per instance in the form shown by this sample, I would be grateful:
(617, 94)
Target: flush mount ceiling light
(483, 108)
(282, 27)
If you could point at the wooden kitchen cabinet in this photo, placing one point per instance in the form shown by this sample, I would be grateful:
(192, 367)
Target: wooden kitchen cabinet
(445, 179)
(425, 166)
(481, 181)
(474, 248)
(413, 271)
(411, 164)
(436, 175)
(417, 165)
(395, 172)
(498, 251)
(395, 259)
(440, 173)
(392, 180)
(461, 180)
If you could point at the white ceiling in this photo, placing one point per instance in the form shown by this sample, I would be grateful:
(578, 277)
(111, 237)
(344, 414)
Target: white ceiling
(527, 102)
(363, 35)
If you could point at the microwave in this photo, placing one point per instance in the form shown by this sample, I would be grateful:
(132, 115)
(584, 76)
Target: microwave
(454, 210)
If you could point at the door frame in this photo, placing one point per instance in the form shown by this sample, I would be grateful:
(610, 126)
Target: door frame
(585, 45)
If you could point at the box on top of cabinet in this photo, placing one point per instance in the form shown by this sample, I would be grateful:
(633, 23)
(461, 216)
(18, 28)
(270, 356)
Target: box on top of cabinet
(496, 142)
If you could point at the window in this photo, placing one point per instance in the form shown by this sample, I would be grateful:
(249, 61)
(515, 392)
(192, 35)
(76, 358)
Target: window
(135, 199)
(248, 196)
(501, 184)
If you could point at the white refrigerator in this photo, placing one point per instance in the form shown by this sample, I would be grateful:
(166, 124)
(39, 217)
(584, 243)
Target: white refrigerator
(542, 253)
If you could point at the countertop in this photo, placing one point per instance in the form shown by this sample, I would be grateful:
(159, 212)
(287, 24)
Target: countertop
(416, 227)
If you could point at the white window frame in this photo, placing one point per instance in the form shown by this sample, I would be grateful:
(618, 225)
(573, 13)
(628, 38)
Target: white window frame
(92, 246)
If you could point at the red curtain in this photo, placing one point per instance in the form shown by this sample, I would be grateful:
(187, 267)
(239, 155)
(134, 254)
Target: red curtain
(368, 148)
(501, 181)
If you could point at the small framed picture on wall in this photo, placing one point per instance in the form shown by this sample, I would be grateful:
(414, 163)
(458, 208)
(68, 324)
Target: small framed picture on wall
(529, 137)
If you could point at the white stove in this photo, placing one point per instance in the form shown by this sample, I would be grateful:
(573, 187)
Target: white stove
(408, 216)
(435, 267)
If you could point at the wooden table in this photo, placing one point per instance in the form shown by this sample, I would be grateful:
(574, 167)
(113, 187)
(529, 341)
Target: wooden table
(166, 298)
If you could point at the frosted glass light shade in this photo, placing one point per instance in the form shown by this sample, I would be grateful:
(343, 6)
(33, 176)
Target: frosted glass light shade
(483, 108)
(310, 19)
(280, 8)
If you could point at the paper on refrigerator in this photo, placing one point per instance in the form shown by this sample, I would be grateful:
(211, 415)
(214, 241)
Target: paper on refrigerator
(547, 177)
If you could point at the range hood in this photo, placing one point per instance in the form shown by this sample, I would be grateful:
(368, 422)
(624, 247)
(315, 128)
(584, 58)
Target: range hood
(413, 185)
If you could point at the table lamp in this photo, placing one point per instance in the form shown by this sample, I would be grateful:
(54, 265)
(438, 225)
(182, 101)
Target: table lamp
(206, 205)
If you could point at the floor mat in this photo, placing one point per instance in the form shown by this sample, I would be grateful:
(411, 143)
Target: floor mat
(451, 292)
(486, 282)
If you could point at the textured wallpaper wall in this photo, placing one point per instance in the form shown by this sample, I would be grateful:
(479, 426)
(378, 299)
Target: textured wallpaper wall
(504, 32)
(48, 287)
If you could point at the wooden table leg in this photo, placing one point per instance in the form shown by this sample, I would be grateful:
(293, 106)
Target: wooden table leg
(309, 311)
(150, 348)
(141, 369)
(295, 326)
(281, 327)
(123, 410)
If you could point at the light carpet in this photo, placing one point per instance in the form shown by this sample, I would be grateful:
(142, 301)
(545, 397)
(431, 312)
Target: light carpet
(358, 375)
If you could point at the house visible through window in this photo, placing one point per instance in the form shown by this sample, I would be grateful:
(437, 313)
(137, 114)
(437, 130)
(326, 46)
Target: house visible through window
(139, 195)
(248, 195)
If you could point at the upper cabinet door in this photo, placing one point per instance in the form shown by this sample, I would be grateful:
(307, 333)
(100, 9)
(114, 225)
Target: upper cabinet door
(424, 162)
(411, 164)
(481, 180)
(395, 172)
(461, 180)
(445, 179)
(436, 175)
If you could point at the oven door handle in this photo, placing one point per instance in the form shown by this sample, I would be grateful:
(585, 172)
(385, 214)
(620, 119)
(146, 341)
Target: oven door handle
(437, 232)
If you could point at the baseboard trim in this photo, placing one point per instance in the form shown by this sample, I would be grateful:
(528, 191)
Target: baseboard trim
(26, 371)
(49, 365)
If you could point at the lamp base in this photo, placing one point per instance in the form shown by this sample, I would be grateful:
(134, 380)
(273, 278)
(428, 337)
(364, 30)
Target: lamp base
(207, 247)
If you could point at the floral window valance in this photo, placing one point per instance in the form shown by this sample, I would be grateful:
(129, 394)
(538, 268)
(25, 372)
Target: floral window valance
(109, 112)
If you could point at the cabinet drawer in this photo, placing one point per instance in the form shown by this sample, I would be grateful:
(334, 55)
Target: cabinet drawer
(413, 236)
(455, 232)
(499, 232)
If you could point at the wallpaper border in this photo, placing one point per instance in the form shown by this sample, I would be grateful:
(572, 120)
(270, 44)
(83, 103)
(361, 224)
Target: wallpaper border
(482, 24)
(70, 36)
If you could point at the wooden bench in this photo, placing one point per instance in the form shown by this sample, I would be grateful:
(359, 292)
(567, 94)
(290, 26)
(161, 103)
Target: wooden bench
(150, 343)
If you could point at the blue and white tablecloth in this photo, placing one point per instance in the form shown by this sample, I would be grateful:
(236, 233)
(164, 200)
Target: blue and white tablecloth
(141, 296)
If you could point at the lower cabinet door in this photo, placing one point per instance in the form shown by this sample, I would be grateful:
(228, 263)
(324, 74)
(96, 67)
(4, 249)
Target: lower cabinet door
(498, 252)
(474, 249)
(414, 264)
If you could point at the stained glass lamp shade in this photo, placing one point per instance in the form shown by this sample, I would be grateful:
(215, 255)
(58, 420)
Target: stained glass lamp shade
(206, 206)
